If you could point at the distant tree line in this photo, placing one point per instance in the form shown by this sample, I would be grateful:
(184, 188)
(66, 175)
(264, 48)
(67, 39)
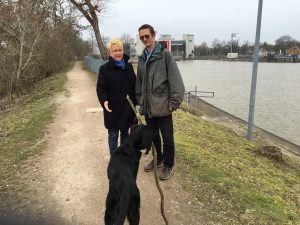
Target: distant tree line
(37, 39)
(220, 49)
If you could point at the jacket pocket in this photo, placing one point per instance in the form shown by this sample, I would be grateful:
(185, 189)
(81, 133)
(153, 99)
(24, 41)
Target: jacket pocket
(159, 79)
(159, 106)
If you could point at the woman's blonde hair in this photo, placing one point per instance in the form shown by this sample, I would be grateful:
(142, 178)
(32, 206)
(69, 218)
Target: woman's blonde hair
(114, 41)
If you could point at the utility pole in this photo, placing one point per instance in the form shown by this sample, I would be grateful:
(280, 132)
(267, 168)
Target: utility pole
(254, 73)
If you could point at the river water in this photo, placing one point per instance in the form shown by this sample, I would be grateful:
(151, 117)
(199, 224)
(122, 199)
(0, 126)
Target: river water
(277, 104)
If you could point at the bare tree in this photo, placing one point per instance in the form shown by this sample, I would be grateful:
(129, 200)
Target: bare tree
(105, 40)
(202, 50)
(244, 50)
(283, 43)
(28, 16)
(37, 39)
(89, 9)
(24, 32)
(126, 43)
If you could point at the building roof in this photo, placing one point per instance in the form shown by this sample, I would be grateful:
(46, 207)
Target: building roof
(178, 42)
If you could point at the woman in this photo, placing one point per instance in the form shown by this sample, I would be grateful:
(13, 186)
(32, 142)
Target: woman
(116, 80)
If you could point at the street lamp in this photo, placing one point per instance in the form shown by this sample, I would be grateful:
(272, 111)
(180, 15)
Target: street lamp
(254, 73)
(232, 36)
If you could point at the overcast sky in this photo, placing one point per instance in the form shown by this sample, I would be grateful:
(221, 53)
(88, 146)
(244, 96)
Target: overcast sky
(206, 19)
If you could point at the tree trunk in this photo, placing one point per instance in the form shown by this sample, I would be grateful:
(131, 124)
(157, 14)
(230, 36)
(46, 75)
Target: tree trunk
(91, 16)
(102, 49)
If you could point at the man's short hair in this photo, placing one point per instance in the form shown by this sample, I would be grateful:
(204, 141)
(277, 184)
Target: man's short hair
(147, 26)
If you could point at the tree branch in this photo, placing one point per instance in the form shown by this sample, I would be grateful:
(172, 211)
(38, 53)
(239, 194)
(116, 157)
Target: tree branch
(37, 38)
(7, 31)
(79, 6)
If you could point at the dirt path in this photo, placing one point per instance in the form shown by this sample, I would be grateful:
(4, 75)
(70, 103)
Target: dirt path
(69, 181)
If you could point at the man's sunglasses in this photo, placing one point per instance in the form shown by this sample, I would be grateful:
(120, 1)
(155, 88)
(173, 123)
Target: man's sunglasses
(147, 36)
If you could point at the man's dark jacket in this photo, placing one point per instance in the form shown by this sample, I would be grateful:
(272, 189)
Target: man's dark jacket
(113, 85)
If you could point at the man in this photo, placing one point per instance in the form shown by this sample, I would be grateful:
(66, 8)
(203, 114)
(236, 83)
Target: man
(159, 91)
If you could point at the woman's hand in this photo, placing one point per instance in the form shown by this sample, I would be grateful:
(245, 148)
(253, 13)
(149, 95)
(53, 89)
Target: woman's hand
(106, 106)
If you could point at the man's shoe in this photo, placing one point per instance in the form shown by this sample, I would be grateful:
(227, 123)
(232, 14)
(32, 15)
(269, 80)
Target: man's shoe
(150, 166)
(166, 173)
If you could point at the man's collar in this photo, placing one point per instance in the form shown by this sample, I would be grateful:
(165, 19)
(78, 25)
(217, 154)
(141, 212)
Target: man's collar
(151, 49)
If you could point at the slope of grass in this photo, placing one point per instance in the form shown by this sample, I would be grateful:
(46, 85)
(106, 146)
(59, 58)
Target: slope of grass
(23, 126)
(233, 183)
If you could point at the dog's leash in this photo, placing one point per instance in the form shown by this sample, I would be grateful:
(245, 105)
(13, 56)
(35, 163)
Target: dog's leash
(162, 197)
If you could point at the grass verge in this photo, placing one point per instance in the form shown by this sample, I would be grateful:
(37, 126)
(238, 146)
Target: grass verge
(231, 183)
(23, 126)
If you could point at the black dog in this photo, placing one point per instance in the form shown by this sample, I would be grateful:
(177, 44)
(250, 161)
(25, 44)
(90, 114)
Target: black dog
(123, 198)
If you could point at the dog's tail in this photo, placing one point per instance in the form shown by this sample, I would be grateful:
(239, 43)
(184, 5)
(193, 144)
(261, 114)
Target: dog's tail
(123, 205)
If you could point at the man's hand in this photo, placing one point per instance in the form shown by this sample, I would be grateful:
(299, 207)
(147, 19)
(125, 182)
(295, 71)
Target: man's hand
(106, 106)
(170, 107)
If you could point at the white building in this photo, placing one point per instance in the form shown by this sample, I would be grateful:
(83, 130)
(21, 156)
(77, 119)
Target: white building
(181, 49)
(139, 47)
(189, 45)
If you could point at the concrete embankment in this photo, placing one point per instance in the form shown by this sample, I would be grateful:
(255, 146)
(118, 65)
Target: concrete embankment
(214, 114)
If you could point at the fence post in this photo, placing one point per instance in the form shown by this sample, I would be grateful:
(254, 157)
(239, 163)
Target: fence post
(188, 97)
(196, 99)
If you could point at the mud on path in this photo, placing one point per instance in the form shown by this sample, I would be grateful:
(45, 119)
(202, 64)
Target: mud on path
(68, 182)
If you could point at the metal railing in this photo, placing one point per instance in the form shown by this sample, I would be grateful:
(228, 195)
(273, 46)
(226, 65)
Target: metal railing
(193, 95)
(93, 64)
